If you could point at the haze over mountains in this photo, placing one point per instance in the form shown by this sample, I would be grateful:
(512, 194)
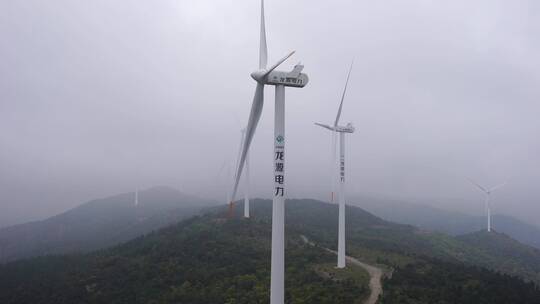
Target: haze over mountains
(104, 222)
(451, 222)
(99, 223)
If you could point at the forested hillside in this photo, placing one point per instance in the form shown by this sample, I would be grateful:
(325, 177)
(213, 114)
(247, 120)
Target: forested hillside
(430, 281)
(202, 260)
(212, 259)
(375, 238)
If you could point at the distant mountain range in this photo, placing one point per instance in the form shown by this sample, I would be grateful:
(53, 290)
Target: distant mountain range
(453, 223)
(212, 259)
(99, 223)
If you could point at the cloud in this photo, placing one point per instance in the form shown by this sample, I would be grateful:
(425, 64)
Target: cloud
(101, 97)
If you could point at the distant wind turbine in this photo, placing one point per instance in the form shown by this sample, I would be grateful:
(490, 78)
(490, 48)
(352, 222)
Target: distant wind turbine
(246, 181)
(267, 76)
(487, 192)
(231, 201)
(246, 177)
(341, 190)
(229, 175)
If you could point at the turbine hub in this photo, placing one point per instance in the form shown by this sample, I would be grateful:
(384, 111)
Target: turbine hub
(259, 76)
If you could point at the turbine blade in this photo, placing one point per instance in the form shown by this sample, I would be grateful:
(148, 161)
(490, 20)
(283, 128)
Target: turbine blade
(343, 96)
(497, 187)
(477, 185)
(242, 135)
(324, 126)
(263, 49)
(254, 116)
(268, 71)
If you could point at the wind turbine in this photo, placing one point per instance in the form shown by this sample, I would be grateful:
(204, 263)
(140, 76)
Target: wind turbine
(341, 189)
(267, 76)
(488, 198)
(229, 192)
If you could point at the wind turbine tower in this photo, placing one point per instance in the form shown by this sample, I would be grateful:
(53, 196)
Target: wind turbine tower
(336, 128)
(268, 76)
(487, 192)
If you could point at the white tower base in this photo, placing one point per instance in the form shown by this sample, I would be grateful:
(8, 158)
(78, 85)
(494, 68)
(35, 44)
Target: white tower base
(341, 196)
(277, 279)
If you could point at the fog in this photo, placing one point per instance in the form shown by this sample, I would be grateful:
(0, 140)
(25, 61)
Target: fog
(106, 96)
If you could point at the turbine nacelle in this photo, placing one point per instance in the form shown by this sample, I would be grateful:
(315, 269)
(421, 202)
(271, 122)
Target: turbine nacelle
(349, 128)
(294, 78)
(345, 129)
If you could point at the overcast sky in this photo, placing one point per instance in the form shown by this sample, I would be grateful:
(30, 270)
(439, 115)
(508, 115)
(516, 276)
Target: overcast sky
(105, 96)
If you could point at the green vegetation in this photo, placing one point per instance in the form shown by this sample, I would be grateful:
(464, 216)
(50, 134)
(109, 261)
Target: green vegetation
(202, 260)
(209, 259)
(434, 281)
(511, 256)
(375, 240)
(354, 274)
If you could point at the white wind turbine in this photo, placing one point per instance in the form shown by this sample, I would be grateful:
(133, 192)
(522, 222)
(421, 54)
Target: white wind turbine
(487, 192)
(341, 189)
(267, 76)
